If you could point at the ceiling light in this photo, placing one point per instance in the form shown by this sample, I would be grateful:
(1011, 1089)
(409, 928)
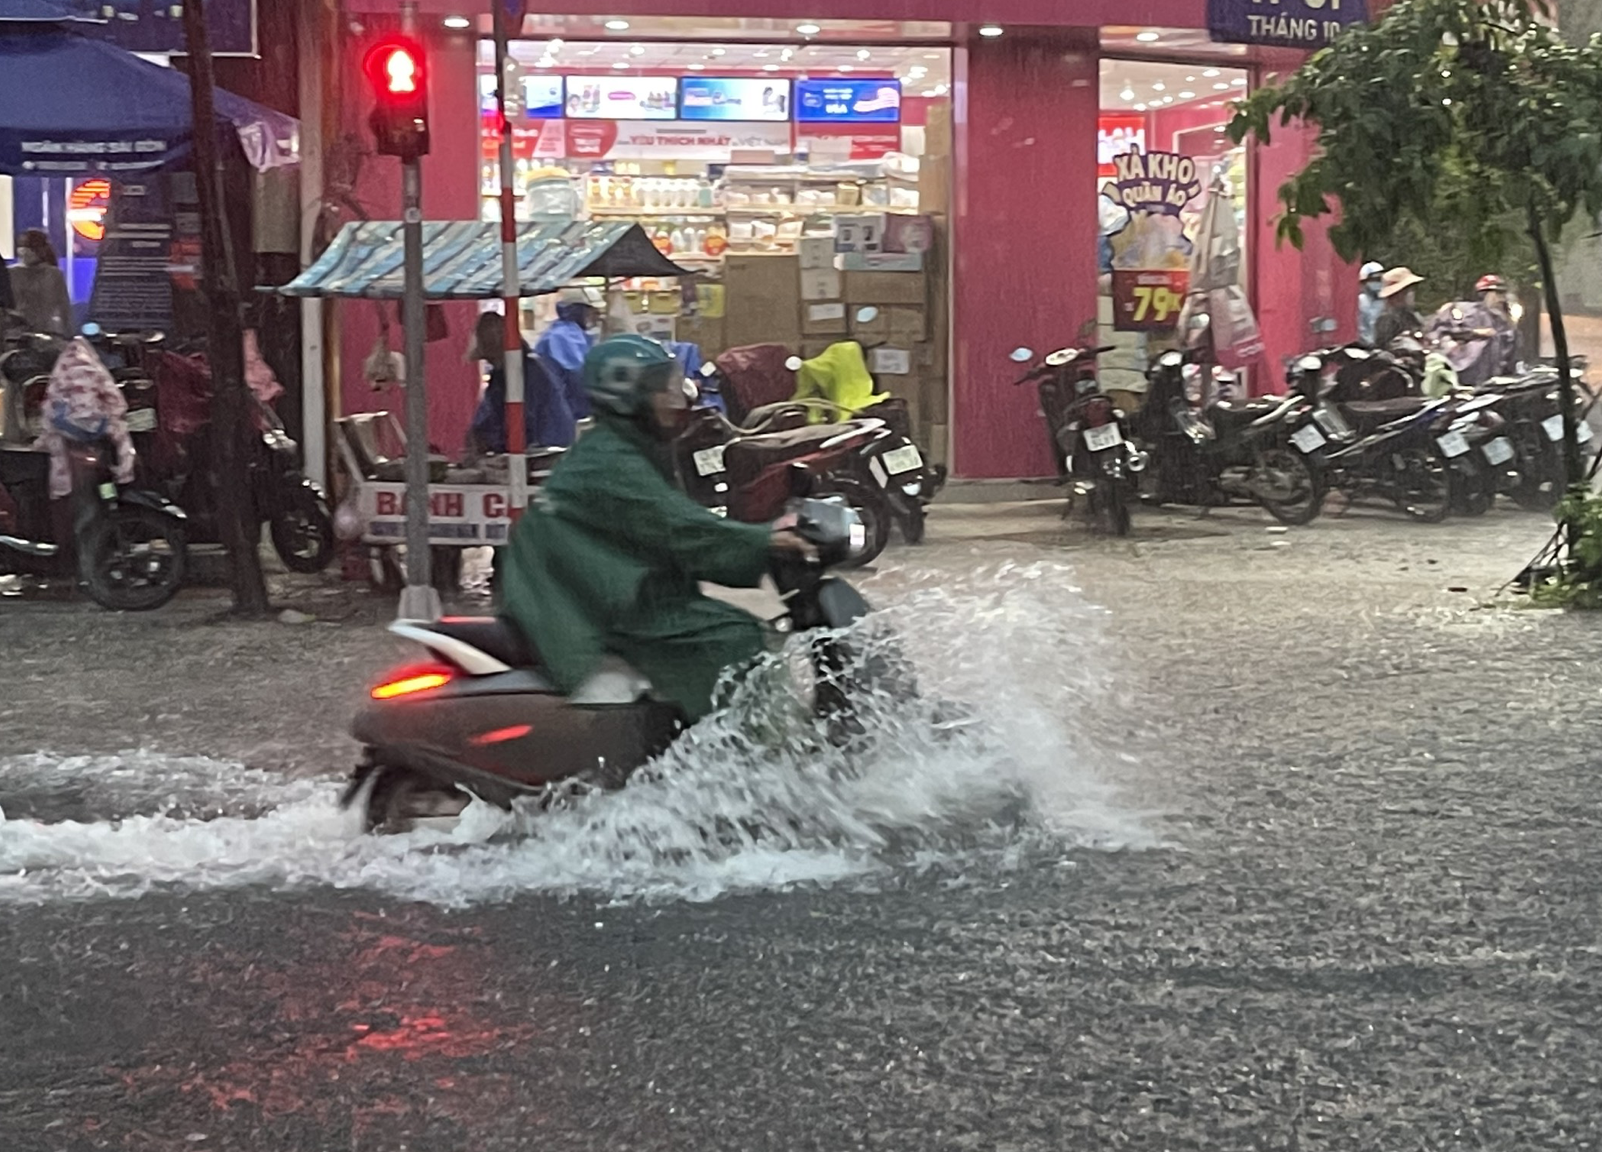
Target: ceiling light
(456, 23)
(787, 53)
(1159, 86)
(760, 53)
(1238, 82)
(1190, 79)
(770, 67)
(931, 55)
(808, 29)
(620, 65)
(1220, 87)
(637, 50)
(863, 54)
(696, 67)
(917, 72)
(990, 31)
(1187, 95)
(1147, 37)
(617, 25)
(1127, 94)
(1140, 107)
(1210, 73)
(545, 62)
(843, 68)
(717, 51)
(1168, 99)
(937, 90)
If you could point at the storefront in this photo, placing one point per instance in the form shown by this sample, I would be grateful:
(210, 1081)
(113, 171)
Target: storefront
(948, 172)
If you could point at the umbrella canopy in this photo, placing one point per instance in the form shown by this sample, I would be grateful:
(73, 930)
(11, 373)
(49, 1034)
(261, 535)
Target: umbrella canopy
(71, 105)
(462, 259)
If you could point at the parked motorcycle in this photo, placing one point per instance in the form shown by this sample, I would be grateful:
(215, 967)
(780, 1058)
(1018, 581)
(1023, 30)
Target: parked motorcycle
(481, 719)
(129, 546)
(1094, 456)
(1228, 451)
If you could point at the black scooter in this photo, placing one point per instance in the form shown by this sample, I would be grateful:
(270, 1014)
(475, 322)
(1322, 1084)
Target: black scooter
(1094, 456)
(481, 719)
(129, 546)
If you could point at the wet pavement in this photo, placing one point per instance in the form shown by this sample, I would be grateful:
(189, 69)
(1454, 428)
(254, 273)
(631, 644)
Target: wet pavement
(1310, 863)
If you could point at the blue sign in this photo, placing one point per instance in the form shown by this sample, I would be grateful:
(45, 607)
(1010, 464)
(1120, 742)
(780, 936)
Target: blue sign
(147, 26)
(848, 101)
(1305, 24)
(542, 97)
(717, 98)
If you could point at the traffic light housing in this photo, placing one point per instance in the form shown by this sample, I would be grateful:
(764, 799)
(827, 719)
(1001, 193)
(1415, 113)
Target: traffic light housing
(398, 73)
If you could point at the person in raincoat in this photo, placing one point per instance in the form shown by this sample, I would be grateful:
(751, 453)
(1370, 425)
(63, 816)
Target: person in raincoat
(839, 374)
(610, 554)
(562, 347)
(1369, 305)
(548, 420)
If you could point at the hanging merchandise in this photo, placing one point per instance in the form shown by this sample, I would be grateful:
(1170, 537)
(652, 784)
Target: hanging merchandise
(1215, 280)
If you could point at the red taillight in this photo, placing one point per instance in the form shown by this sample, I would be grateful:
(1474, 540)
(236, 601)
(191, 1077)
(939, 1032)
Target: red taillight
(407, 682)
(1098, 412)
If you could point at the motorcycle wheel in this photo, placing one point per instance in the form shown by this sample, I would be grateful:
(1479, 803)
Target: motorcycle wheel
(912, 524)
(1115, 509)
(1471, 494)
(398, 798)
(1421, 486)
(134, 559)
(1295, 495)
(875, 513)
(303, 532)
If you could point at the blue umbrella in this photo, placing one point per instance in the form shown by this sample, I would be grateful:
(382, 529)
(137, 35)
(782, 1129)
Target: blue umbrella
(71, 105)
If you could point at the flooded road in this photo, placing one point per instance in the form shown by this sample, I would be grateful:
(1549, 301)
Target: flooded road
(1262, 847)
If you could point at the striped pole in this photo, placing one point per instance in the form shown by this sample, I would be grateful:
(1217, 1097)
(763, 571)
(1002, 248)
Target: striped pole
(517, 467)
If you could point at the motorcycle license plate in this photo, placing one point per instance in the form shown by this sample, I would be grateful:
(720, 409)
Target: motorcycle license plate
(108, 491)
(142, 420)
(1099, 439)
(708, 461)
(1331, 421)
(1308, 438)
(1452, 445)
(903, 459)
(1498, 451)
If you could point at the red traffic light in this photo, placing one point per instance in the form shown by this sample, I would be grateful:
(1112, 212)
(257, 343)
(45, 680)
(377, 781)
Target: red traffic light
(398, 73)
(396, 68)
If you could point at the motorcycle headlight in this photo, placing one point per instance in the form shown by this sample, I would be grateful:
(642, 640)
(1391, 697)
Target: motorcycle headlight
(912, 487)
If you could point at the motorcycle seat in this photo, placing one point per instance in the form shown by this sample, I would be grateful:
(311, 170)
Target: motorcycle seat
(745, 457)
(1368, 415)
(1233, 415)
(492, 635)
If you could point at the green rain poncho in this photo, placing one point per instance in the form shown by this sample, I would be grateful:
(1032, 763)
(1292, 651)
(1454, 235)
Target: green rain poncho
(840, 375)
(608, 559)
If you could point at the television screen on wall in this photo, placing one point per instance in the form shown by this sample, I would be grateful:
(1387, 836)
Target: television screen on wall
(622, 97)
(848, 101)
(720, 98)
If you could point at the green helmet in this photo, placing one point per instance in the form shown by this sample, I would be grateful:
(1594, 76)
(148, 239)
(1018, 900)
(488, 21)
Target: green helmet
(621, 373)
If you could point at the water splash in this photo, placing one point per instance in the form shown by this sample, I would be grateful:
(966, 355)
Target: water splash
(754, 798)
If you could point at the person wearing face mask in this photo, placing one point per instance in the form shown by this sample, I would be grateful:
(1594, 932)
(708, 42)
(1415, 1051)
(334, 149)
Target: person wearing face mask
(547, 419)
(38, 287)
(567, 341)
(1369, 304)
(610, 554)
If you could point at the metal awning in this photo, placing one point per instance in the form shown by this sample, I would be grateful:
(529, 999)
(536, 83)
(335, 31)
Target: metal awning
(462, 259)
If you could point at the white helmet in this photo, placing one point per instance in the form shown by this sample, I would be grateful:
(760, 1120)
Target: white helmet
(1370, 270)
(585, 295)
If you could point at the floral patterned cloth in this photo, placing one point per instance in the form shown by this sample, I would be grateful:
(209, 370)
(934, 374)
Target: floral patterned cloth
(82, 405)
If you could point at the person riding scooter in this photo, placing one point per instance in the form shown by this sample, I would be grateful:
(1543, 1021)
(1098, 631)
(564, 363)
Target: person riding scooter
(563, 346)
(609, 557)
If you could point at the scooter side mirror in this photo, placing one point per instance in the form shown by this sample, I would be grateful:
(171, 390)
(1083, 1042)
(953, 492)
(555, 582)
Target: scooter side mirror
(709, 370)
(867, 315)
(1171, 359)
(1021, 355)
(793, 363)
(1310, 364)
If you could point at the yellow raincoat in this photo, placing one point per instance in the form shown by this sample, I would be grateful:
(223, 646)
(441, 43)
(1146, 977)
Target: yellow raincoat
(840, 375)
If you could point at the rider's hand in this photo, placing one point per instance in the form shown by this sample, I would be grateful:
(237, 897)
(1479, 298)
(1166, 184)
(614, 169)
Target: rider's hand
(788, 544)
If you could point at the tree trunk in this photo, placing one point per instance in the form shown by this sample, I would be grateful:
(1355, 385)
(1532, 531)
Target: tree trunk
(236, 511)
(1560, 347)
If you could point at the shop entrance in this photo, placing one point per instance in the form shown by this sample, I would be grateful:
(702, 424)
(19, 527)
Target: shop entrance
(802, 172)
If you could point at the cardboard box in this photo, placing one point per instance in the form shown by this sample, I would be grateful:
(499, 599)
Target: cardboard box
(859, 233)
(935, 176)
(815, 251)
(906, 324)
(827, 318)
(814, 346)
(762, 300)
(881, 261)
(907, 233)
(820, 284)
(890, 361)
(705, 332)
(884, 288)
(937, 135)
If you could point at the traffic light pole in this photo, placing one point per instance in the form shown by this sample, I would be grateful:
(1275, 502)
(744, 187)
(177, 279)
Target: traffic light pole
(512, 347)
(419, 600)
